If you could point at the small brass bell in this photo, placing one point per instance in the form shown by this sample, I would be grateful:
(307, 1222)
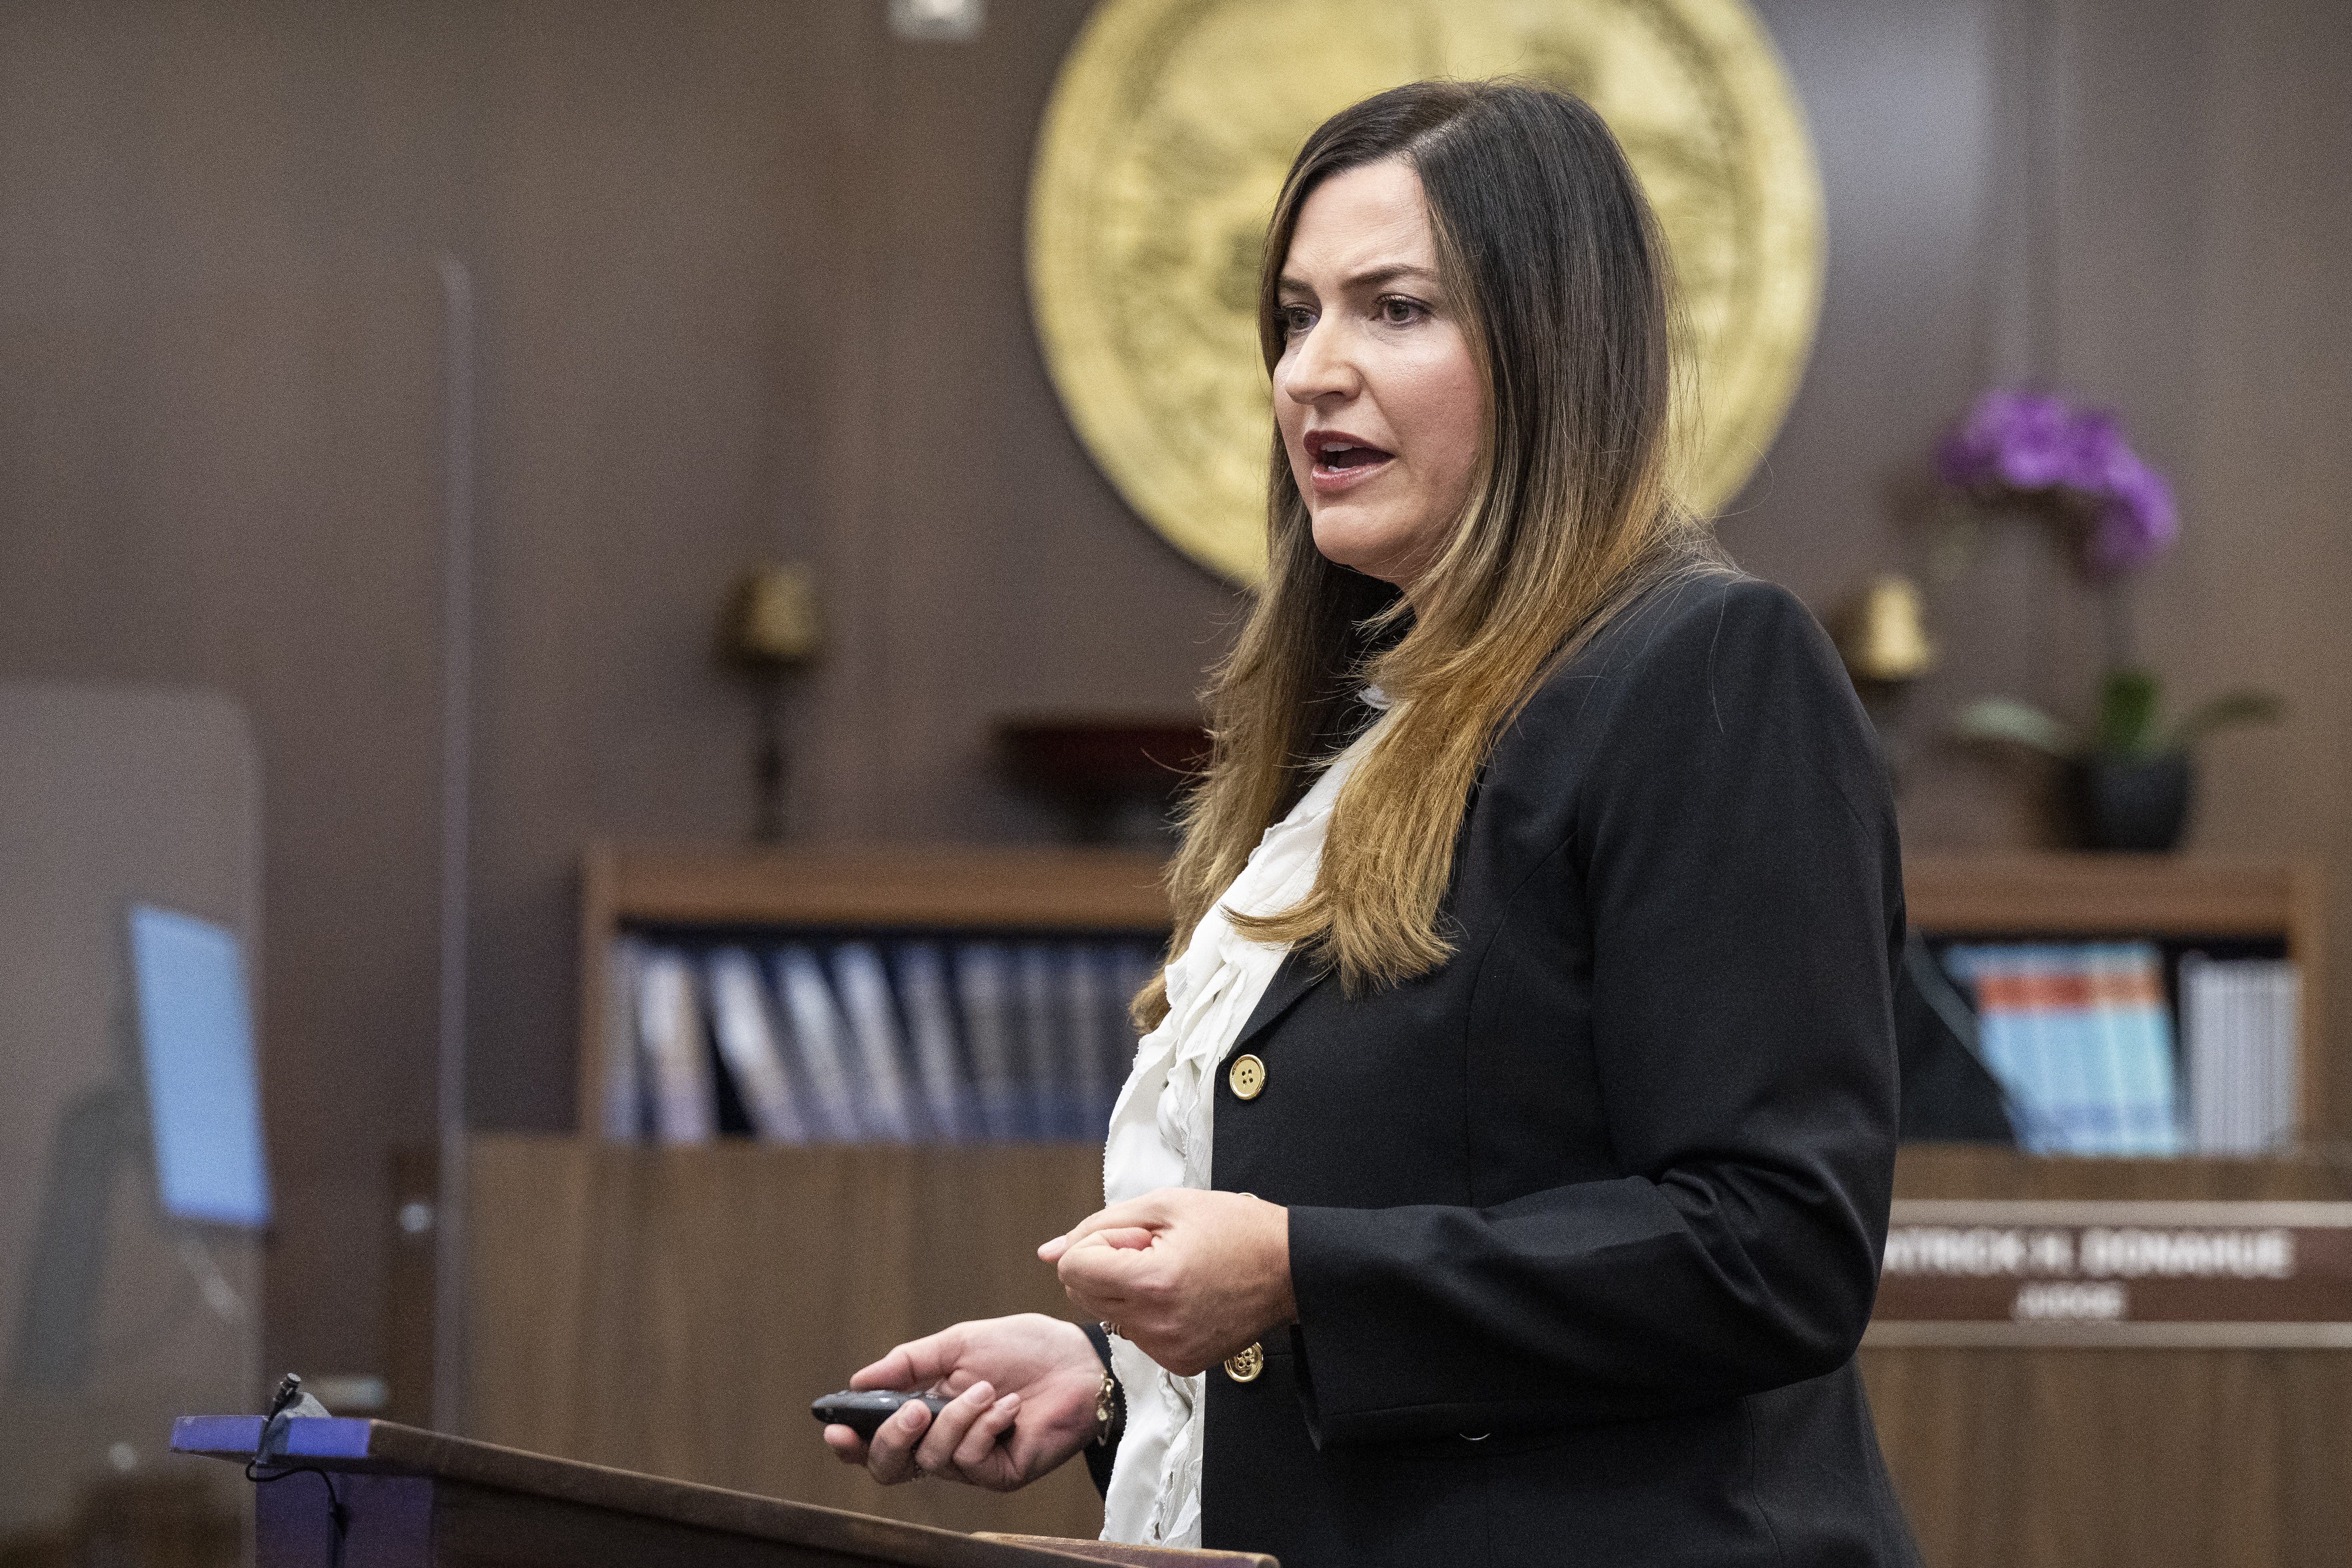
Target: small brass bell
(772, 621)
(1886, 639)
(772, 625)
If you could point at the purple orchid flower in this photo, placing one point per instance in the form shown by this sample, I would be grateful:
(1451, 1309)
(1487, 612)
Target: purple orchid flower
(2138, 523)
(2017, 440)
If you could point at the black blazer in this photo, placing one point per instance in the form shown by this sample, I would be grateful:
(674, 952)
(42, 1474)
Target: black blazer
(1585, 1224)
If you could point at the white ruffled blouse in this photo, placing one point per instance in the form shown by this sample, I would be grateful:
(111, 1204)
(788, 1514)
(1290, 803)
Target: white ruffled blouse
(1161, 1136)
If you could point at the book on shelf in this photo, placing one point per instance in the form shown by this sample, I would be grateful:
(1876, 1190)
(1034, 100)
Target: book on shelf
(985, 989)
(620, 1114)
(677, 1055)
(2239, 1022)
(743, 1023)
(1092, 1030)
(931, 1028)
(2081, 1040)
(1044, 1021)
(871, 1039)
(823, 1036)
(880, 1089)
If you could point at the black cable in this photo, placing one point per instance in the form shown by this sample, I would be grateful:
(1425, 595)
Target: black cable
(337, 1515)
(339, 1518)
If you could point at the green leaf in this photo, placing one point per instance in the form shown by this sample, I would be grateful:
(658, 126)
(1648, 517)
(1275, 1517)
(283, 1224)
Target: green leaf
(2240, 706)
(2128, 714)
(2006, 718)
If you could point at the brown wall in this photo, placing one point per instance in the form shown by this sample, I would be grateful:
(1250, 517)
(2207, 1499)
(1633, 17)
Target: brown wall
(750, 283)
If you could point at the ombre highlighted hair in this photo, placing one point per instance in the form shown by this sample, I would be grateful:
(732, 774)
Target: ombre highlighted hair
(1555, 266)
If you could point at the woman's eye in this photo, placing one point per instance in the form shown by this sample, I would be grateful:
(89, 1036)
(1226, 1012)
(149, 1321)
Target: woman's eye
(1396, 313)
(1298, 318)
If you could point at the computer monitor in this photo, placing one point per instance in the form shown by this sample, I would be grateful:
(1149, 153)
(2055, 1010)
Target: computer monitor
(203, 1099)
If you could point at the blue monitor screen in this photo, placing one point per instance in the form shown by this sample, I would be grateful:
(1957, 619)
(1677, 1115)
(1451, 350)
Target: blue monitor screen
(195, 1033)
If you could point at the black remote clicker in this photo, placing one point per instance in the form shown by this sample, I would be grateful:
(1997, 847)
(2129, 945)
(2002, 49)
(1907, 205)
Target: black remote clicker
(863, 1413)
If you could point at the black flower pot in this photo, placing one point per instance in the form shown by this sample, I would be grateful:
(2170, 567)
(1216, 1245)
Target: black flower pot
(2133, 803)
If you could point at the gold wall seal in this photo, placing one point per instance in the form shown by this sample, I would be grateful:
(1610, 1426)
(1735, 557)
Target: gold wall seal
(1173, 121)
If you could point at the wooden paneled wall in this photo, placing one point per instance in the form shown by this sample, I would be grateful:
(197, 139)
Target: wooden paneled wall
(2118, 1458)
(751, 284)
(674, 1310)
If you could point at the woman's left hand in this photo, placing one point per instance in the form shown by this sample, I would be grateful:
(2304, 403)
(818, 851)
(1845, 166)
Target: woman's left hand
(1190, 1276)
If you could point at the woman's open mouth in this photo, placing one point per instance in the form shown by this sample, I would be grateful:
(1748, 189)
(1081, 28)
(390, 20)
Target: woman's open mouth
(1341, 459)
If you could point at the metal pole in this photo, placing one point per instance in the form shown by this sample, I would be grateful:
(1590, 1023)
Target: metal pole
(457, 774)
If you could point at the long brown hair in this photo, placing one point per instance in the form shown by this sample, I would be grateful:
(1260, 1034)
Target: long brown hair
(1555, 268)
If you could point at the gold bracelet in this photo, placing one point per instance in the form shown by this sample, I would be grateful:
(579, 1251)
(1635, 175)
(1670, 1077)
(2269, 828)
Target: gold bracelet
(1105, 1407)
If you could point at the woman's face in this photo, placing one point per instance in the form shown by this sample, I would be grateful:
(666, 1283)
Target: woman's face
(1376, 392)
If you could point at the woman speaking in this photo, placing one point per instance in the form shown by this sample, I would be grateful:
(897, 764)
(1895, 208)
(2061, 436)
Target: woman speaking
(1504, 1174)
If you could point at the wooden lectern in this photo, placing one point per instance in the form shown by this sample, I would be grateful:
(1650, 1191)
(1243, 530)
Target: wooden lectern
(419, 1500)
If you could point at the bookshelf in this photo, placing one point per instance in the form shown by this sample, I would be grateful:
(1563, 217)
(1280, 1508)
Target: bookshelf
(2165, 898)
(934, 887)
(1048, 888)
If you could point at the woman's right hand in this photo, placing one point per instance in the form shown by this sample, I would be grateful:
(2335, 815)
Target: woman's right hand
(1024, 1391)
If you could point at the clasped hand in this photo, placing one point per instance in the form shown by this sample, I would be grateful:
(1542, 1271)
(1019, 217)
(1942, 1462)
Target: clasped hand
(1190, 1276)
